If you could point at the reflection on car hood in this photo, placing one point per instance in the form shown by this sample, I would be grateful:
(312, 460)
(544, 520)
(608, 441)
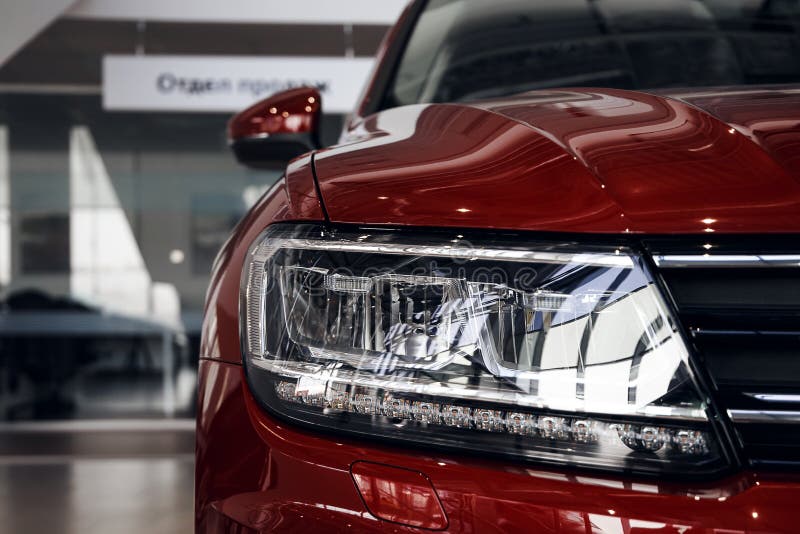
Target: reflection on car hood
(577, 160)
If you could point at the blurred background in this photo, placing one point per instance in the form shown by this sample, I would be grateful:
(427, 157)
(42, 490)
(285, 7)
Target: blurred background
(116, 191)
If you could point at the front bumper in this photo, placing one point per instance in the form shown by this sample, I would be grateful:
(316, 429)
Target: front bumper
(256, 474)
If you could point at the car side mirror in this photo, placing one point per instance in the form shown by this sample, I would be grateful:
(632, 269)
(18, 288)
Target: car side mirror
(277, 129)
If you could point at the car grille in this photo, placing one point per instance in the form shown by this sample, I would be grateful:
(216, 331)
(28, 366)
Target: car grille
(743, 314)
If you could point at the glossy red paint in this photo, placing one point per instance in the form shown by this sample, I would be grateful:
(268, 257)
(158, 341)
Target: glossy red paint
(454, 165)
(230, 458)
(291, 199)
(289, 112)
(769, 116)
(399, 495)
(575, 160)
(256, 474)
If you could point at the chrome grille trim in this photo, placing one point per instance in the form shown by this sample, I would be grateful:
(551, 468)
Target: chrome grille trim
(783, 417)
(787, 398)
(726, 260)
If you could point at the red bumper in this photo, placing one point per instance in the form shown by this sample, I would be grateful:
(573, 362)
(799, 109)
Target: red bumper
(256, 474)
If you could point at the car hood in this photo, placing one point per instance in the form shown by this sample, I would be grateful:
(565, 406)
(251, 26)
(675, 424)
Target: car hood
(577, 160)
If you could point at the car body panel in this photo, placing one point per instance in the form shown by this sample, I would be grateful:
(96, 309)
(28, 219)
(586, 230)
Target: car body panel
(575, 160)
(511, 166)
(569, 160)
(453, 165)
(769, 116)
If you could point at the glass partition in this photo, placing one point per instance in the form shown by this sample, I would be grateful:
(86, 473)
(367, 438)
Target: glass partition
(109, 223)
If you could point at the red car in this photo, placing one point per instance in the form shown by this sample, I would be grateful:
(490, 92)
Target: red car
(502, 305)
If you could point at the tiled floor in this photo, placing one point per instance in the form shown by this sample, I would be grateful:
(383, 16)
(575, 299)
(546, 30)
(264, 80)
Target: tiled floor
(69, 491)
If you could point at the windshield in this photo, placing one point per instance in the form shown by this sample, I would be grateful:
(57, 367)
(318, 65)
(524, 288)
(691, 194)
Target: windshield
(471, 49)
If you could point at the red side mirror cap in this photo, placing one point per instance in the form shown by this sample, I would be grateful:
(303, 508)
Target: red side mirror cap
(277, 129)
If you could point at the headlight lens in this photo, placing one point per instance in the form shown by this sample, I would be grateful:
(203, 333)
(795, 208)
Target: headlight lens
(538, 350)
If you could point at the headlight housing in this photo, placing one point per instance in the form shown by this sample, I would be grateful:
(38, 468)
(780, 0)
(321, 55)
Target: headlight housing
(546, 351)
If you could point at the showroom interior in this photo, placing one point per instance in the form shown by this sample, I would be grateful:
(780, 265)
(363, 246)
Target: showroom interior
(111, 214)
(399, 266)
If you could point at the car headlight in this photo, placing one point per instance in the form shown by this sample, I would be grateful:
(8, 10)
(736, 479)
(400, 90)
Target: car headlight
(539, 350)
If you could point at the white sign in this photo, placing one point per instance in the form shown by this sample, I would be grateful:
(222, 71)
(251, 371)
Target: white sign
(226, 83)
(380, 12)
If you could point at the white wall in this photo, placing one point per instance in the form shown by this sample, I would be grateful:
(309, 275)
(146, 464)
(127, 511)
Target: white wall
(20, 21)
